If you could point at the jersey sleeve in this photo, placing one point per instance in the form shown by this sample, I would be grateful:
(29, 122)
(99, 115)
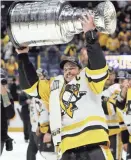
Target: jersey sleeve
(96, 71)
(96, 78)
(29, 81)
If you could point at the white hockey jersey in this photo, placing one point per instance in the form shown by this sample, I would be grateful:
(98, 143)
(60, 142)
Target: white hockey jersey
(115, 116)
(127, 111)
(111, 90)
(38, 113)
(76, 114)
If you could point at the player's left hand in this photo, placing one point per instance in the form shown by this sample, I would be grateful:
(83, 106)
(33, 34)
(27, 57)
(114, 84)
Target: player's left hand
(87, 22)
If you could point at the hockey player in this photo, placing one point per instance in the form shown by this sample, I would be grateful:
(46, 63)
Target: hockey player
(111, 79)
(77, 121)
(114, 99)
(38, 116)
(127, 119)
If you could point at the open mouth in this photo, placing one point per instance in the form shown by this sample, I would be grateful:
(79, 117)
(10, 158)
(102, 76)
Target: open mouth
(70, 76)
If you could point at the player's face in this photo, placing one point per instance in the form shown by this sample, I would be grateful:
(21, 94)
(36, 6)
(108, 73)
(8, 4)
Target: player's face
(124, 82)
(111, 79)
(42, 77)
(70, 71)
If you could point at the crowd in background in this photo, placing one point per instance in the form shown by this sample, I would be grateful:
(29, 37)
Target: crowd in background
(118, 43)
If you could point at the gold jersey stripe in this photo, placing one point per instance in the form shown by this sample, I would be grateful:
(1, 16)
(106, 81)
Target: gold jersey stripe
(96, 72)
(32, 89)
(85, 138)
(82, 123)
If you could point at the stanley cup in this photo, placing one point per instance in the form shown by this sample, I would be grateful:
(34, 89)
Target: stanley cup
(50, 22)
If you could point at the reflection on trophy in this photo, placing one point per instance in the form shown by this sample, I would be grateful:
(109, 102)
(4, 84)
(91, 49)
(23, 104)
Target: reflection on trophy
(51, 22)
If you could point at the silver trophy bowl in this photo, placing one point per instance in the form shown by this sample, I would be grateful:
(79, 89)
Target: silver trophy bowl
(51, 22)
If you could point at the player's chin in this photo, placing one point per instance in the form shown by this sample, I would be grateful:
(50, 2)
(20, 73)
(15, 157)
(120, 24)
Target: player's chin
(68, 79)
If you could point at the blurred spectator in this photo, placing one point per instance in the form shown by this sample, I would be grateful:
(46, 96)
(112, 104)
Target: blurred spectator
(123, 15)
(125, 49)
(128, 21)
(127, 8)
(121, 4)
(129, 43)
(70, 50)
(53, 55)
(53, 58)
(7, 51)
(14, 88)
(103, 40)
(2, 63)
(83, 57)
(12, 66)
(4, 38)
(113, 43)
(124, 35)
(78, 41)
(121, 25)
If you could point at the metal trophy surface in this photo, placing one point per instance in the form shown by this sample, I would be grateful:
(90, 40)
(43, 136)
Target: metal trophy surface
(50, 22)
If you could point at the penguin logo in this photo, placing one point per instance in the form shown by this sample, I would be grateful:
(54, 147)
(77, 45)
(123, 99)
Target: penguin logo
(69, 98)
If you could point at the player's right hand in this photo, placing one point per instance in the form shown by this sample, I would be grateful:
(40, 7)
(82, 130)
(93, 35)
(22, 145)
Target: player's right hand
(20, 51)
